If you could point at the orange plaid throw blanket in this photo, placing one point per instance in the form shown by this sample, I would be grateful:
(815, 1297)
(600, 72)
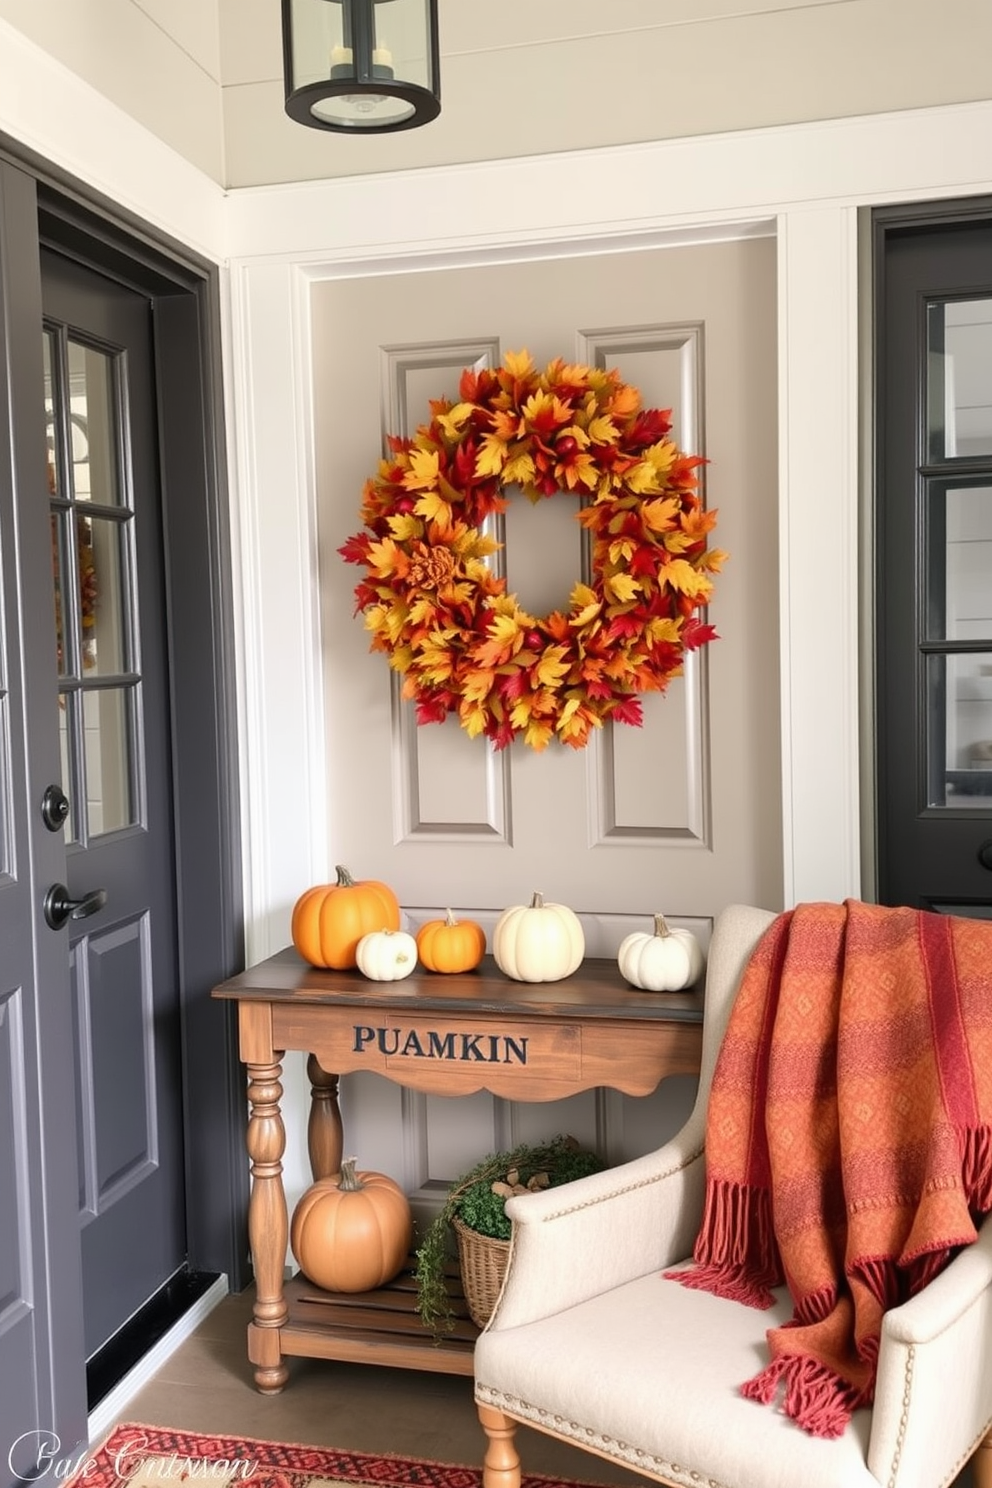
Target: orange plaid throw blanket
(849, 1136)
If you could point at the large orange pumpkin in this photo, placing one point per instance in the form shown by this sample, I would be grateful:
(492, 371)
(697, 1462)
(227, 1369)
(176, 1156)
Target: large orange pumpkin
(352, 1232)
(451, 945)
(330, 919)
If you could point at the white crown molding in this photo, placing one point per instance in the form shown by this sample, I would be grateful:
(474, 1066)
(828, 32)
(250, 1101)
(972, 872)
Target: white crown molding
(719, 184)
(49, 109)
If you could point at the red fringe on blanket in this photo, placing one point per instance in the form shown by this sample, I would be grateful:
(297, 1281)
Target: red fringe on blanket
(736, 1253)
(815, 1398)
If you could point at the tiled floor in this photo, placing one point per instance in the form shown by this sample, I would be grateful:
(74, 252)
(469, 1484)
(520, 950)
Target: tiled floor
(207, 1386)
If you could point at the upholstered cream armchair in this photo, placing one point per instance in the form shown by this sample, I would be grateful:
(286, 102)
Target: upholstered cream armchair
(590, 1344)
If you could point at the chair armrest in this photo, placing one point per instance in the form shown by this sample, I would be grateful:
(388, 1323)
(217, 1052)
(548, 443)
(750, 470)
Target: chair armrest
(571, 1243)
(933, 1394)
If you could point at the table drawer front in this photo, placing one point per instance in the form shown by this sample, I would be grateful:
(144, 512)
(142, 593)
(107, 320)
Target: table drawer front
(435, 1049)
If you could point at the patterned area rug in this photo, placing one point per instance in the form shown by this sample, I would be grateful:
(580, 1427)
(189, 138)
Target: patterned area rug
(156, 1457)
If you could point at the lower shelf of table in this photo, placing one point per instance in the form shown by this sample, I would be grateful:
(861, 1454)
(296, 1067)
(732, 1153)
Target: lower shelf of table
(378, 1327)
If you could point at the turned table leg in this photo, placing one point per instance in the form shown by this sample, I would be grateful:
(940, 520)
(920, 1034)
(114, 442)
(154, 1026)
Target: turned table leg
(268, 1224)
(501, 1468)
(982, 1463)
(325, 1137)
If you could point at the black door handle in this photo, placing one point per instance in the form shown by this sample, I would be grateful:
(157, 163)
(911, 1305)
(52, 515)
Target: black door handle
(59, 908)
(985, 854)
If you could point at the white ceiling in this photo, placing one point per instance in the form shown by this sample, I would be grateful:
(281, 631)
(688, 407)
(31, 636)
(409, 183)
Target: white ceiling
(525, 77)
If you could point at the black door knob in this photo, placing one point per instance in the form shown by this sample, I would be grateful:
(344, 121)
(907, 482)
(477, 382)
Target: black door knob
(59, 908)
(985, 854)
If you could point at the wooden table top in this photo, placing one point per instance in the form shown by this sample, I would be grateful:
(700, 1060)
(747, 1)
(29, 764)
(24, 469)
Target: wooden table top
(596, 990)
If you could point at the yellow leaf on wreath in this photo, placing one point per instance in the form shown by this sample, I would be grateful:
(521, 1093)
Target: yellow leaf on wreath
(422, 474)
(519, 468)
(491, 456)
(423, 611)
(587, 613)
(660, 515)
(621, 549)
(682, 576)
(382, 558)
(602, 430)
(642, 478)
(434, 508)
(662, 455)
(518, 363)
(506, 628)
(538, 735)
(679, 542)
(477, 685)
(551, 667)
(622, 588)
(405, 526)
(455, 419)
(581, 471)
(665, 630)
(474, 717)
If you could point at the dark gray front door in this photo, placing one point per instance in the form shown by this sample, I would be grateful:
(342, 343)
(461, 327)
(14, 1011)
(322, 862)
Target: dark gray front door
(42, 1385)
(114, 732)
(934, 558)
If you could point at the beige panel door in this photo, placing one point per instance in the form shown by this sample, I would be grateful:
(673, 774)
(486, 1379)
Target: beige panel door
(681, 815)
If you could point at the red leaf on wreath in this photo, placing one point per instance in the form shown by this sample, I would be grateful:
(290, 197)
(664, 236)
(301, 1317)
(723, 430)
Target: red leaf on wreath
(629, 710)
(649, 426)
(696, 634)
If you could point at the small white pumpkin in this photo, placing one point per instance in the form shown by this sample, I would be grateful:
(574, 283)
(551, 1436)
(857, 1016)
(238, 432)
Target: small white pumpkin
(538, 942)
(665, 961)
(386, 955)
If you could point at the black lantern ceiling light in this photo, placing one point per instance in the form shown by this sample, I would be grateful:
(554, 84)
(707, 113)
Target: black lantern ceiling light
(361, 66)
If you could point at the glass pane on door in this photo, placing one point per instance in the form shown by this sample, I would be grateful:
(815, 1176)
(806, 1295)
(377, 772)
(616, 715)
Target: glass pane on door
(107, 735)
(959, 379)
(959, 562)
(93, 425)
(959, 694)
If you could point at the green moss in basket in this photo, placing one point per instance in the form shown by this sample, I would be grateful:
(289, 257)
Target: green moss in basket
(473, 1200)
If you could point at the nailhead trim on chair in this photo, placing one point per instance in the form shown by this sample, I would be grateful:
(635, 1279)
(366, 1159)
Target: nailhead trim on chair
(619, 1451)
(907, 1390)
(630, 1187)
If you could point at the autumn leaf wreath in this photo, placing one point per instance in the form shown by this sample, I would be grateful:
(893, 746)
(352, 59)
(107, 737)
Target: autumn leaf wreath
(441, 613)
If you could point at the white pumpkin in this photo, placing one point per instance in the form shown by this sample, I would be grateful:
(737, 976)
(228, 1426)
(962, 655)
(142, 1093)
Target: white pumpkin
(538, 942)
(386, 955)
(664, 961)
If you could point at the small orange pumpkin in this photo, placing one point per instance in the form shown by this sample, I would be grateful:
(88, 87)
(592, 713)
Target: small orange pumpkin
(330, 919)
(352, 1232)
(451, 945)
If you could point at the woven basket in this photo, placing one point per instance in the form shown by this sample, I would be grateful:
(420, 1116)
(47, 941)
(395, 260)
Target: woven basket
(483, 1266)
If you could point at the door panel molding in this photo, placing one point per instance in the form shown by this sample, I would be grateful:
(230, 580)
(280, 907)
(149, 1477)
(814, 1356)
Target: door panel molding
(433, 772)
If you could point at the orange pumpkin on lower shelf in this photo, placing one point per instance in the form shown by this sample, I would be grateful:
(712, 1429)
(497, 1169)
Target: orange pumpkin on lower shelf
(352, 1232)
(451, 945)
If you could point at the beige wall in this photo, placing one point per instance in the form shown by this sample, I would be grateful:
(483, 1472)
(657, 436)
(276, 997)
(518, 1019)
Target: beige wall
(158, 60)
(521, 78)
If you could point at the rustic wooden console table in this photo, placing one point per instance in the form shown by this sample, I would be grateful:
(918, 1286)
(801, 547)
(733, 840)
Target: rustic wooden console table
(445, 1035)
